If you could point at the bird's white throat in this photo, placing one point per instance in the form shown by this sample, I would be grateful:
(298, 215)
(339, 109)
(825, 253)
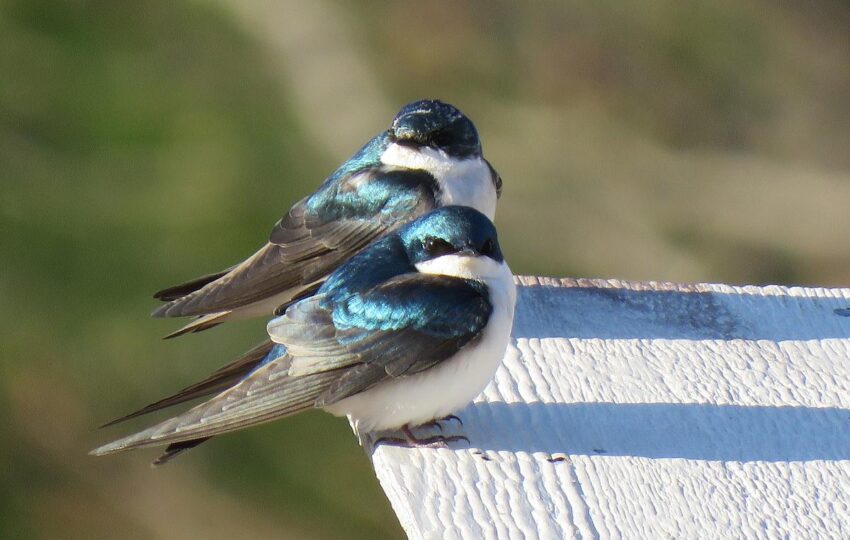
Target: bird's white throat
(465, 182)
(464, 266)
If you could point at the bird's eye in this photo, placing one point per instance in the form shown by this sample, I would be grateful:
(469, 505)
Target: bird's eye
(442, 139)
(487, 247)
(437, 247)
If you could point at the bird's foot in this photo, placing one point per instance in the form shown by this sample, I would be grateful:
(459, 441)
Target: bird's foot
(451, 417)
(437, 423)
(412, 441)
(432, 424)
(438, 441)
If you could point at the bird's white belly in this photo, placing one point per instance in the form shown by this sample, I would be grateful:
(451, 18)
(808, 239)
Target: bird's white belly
(464, 182)
(446, 387)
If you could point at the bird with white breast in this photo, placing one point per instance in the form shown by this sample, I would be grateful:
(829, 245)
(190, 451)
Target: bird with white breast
(430, 156)
(409, 330)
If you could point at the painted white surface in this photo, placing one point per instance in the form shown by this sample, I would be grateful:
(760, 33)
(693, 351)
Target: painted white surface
(647, 410)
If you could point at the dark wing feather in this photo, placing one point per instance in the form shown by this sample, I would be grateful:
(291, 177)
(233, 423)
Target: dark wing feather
(315, 237)
(264, 395)
(398, 328)
(221, 379)
(199, 324)
(305, 293)
(175, 449)
(181, 290)
(345, 346)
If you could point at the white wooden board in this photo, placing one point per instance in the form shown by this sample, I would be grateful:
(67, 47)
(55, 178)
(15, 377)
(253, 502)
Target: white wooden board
(647, 410)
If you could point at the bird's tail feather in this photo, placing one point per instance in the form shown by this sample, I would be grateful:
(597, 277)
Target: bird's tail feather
(201, 323)
(179, 291)
(175, 449)
(219, 380)
(265, 395)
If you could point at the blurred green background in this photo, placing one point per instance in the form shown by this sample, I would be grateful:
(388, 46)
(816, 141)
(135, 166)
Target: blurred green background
(144, 143)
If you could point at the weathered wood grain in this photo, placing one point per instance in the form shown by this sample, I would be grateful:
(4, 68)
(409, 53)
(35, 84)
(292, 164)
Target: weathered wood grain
(647, 410)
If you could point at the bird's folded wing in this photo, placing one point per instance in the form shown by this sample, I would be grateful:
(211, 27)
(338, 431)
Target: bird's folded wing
(405, 325)
(220, 379)
(266, 394)
(181, 290)
(337, 348)
(314, 237)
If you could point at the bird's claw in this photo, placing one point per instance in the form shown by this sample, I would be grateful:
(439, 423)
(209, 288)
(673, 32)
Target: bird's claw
(412, 441)
(433, 423)
(438, 441)
(437, 423)
(452, 417)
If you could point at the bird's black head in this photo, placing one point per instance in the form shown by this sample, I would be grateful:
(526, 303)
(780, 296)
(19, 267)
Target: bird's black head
(451, 230)
(437, 125)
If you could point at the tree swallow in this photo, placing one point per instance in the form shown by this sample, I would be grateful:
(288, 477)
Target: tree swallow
(429, 157)
(407, 331)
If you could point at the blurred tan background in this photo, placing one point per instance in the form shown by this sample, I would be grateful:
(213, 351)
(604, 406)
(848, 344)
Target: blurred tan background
(145, 143)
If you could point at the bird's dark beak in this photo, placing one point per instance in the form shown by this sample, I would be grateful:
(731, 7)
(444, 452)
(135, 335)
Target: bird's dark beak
(497, 180)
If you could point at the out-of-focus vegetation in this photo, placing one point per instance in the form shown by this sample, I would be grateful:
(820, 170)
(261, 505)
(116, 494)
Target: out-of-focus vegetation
(144, 143)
